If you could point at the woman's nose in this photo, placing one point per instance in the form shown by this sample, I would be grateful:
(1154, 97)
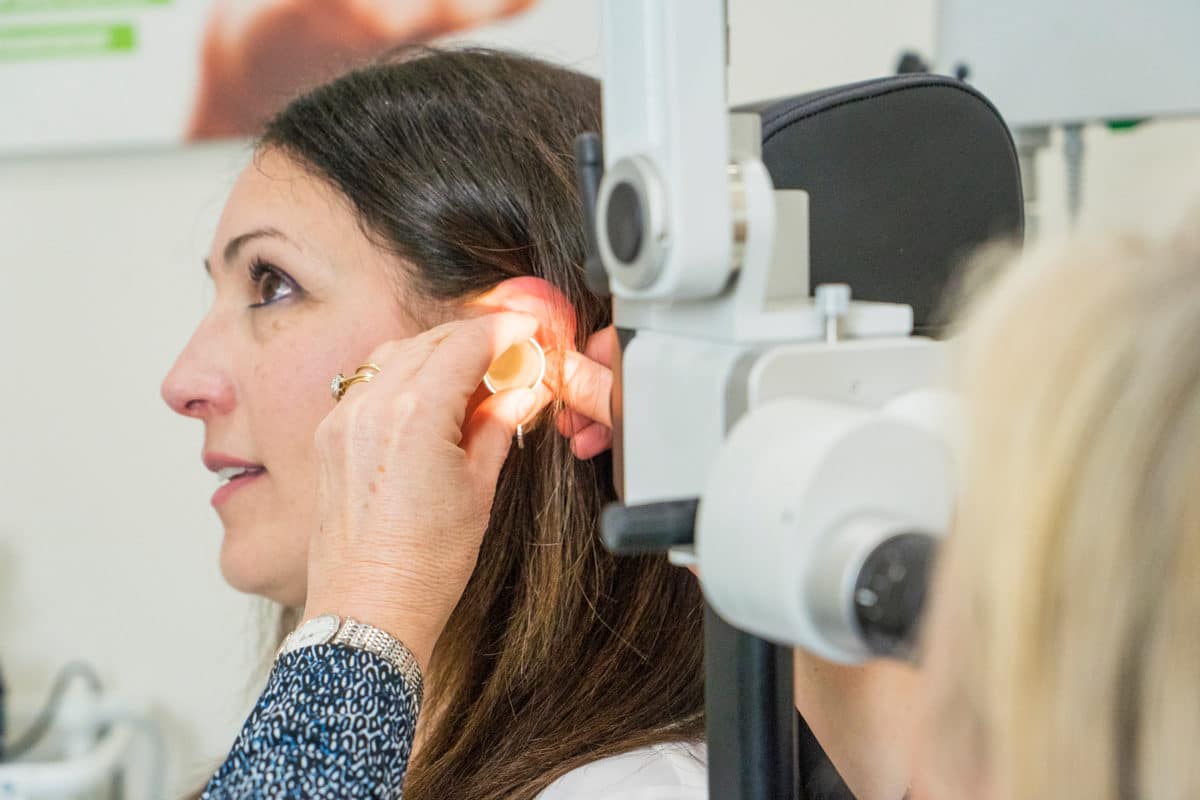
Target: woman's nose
(199, 384)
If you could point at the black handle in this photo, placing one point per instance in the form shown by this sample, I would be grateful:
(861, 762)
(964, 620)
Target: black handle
(649, 528)
(589, 170)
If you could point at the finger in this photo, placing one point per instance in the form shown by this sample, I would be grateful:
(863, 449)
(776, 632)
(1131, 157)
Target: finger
(488, 434)
(602, 346)
(543, 397)
(584, 385)
(398, 362)
(474, 12)
(571, 422)
(480, 394)
(399, 359)
(425, 19)
(591, 442)
(466, 349)
(580, 429)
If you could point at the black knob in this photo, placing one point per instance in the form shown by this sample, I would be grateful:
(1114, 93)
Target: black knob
(910, 62)
(889, 594)
(625, 223)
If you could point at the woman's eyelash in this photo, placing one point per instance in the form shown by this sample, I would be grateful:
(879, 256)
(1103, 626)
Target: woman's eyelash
(259, 268)
(262, 272)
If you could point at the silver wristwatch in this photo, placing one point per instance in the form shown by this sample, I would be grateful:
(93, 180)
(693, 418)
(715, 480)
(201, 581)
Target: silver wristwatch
(331, 629)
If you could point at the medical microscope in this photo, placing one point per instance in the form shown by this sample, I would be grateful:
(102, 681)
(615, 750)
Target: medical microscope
(777, 425)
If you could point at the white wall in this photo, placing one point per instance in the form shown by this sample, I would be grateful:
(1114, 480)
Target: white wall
(107, 544)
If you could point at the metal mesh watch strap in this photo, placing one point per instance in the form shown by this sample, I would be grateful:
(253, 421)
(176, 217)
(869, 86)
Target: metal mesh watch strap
(367, 637)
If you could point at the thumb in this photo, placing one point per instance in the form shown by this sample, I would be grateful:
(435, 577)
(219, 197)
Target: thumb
(488, 434)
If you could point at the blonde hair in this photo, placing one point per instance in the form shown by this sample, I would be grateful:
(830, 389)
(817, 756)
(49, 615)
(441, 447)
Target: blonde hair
(1065, 640)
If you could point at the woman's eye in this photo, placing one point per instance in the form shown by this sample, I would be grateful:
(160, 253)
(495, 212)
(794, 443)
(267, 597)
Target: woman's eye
(269, 284)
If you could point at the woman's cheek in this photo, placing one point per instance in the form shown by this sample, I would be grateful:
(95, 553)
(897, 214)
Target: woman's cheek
(294, 380)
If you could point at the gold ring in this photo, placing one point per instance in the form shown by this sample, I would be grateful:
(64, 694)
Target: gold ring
(340, 383)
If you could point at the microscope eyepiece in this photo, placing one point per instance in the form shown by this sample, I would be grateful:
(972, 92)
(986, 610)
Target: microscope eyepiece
(889, 594)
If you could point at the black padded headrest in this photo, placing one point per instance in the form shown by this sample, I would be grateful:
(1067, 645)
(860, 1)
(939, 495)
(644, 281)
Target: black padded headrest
(906, 175)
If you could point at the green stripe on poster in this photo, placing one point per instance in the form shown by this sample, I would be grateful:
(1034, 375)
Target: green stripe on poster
(67, 40)
(60, 6)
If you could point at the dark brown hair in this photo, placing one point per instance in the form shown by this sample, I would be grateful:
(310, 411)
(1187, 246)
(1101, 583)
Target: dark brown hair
(460, 163)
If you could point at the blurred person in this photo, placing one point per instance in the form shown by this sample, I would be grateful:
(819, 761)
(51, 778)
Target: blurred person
(1063, 650)
(256, 55)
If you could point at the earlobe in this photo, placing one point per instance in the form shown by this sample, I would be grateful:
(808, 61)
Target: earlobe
(538, 298)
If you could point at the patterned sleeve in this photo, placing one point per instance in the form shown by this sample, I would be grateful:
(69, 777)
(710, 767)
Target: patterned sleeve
(333, 721)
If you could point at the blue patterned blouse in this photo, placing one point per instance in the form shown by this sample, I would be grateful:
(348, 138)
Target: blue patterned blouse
(334, 721)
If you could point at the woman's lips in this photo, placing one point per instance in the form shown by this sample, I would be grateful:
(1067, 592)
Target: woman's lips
(235, 484)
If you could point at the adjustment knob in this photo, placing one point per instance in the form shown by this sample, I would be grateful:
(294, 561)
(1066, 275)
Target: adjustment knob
(625, 222)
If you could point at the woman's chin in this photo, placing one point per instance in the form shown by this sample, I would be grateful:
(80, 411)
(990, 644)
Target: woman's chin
(262, 574)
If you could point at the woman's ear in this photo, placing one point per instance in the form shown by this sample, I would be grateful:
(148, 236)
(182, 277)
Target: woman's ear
(538, 298)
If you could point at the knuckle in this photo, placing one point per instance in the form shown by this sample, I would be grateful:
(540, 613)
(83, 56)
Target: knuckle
(439, 333)
(409, 408)
(384, 352)
(592, 386)
(353, 419)
(593, 380)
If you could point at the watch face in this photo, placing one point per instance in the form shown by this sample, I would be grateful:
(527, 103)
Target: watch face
(317, 630)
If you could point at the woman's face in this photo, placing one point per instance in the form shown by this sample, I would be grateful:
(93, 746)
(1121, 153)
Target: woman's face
(301, 295)
(948, 745)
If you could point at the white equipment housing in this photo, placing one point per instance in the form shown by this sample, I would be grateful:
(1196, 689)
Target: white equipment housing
(1048, 63)
(91, 741)
(740, 387)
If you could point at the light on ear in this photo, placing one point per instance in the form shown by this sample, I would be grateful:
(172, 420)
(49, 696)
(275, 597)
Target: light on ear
(522, 366)
(538, 298)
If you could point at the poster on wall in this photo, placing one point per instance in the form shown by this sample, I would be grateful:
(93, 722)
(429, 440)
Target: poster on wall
(100, 74)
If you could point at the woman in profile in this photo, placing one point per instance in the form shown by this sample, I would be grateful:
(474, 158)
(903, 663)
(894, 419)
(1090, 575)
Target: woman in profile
(418, 214)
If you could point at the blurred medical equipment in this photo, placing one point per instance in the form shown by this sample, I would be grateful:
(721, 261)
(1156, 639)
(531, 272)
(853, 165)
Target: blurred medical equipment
(3, 717)
(1067, 64)
(78, 744)
(777, 423)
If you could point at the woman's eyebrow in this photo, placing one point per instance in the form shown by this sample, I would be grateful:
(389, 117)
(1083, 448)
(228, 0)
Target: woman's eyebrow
(235, 244)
